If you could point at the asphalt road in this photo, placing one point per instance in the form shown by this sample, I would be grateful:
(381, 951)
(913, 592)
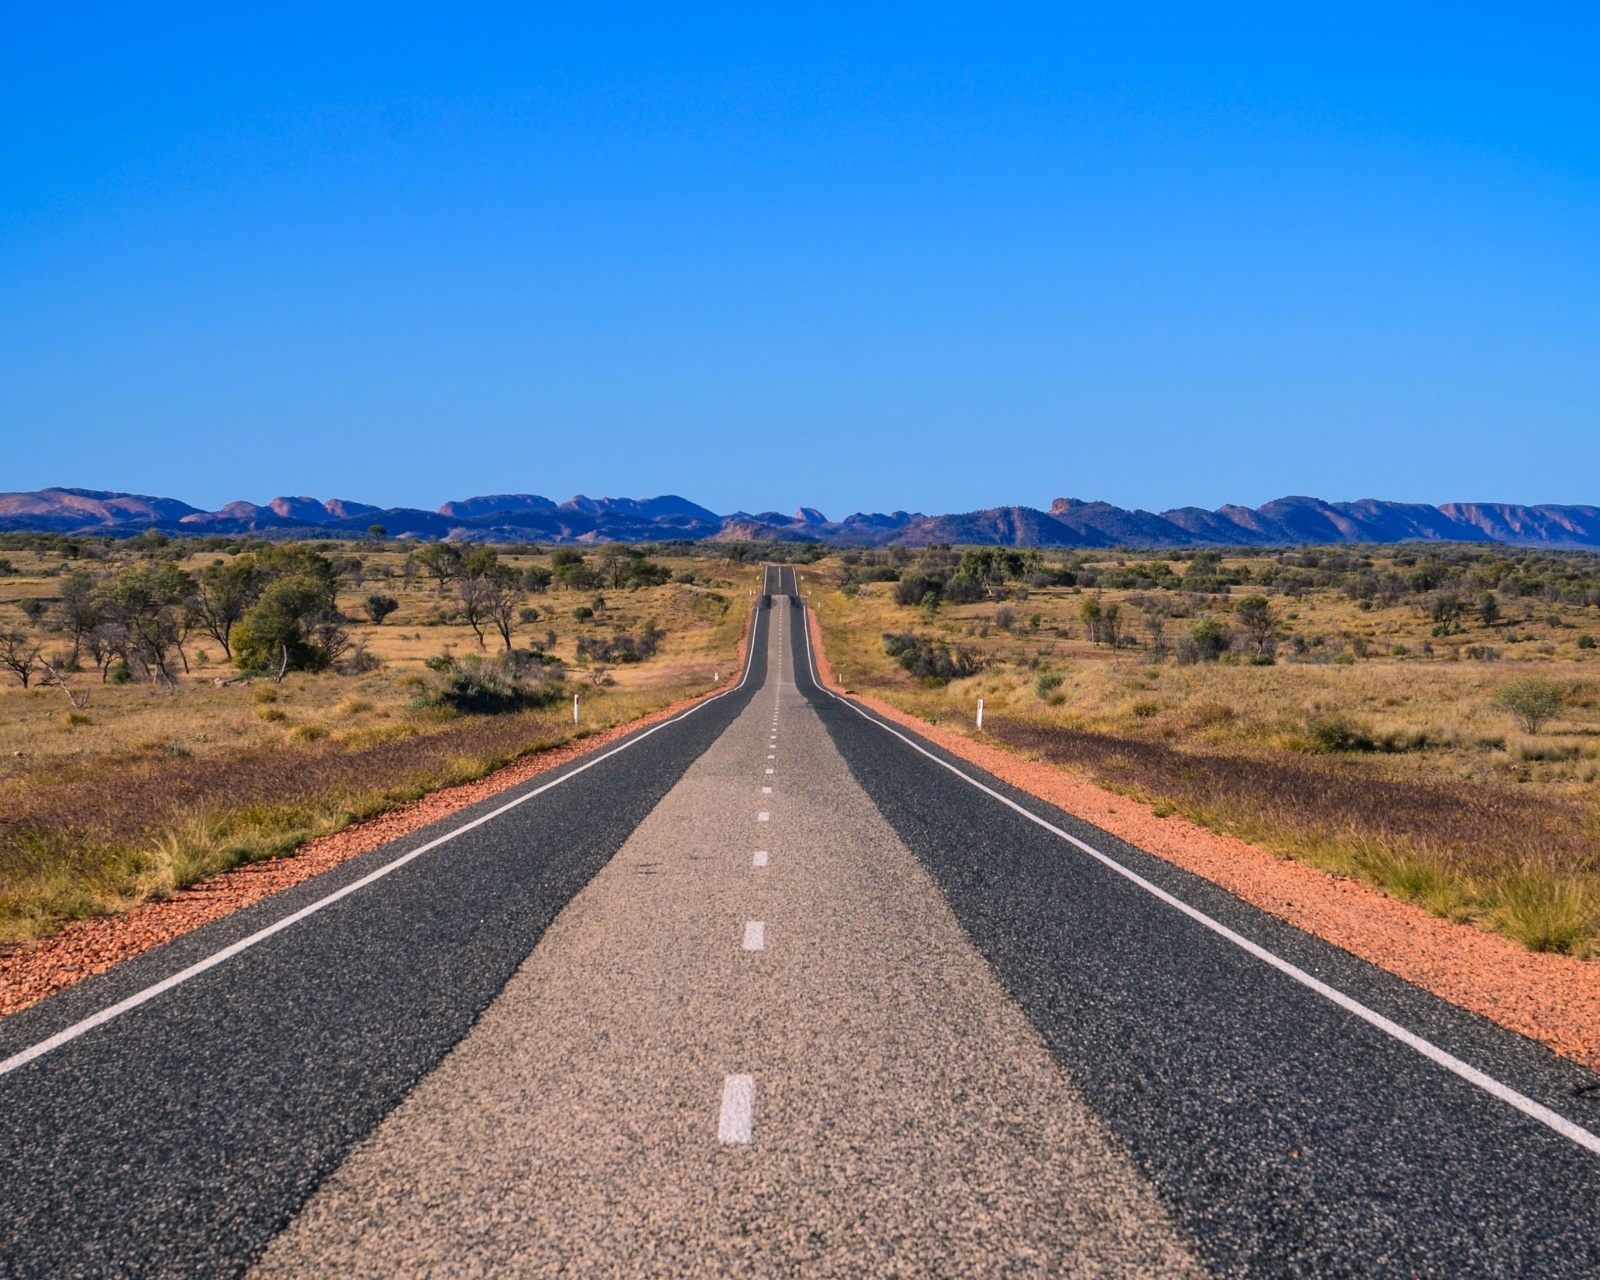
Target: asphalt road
(873, 1021)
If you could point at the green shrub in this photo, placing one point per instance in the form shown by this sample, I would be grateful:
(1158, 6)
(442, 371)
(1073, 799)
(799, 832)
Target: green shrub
(1336, 731)
(932, 661)
(1533, 700)
(508, 682)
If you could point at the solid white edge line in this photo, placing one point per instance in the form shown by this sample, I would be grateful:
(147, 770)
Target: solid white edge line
(1505, 1093)
(67, 1034)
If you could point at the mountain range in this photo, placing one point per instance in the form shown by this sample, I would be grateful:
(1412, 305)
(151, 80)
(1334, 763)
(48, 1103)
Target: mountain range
(526, 517)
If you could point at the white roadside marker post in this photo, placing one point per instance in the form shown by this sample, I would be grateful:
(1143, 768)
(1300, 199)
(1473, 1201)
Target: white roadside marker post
(574, 708)
(980, 713)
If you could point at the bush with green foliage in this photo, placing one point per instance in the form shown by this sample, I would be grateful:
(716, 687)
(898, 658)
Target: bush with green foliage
(295, 624)
(513, 681)
(1532, 700)
(932, 661)
(1207, 641)
(620, 646)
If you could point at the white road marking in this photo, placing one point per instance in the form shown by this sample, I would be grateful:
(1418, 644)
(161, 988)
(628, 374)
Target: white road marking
(1466, 1071)
(766, 791)
(755, 935)
(769, 770)
(760, 859)
(68, 1034)
(763, 816)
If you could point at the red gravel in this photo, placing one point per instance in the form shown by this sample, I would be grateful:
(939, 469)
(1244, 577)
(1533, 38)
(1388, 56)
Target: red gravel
(1550, 998)
(33, 970)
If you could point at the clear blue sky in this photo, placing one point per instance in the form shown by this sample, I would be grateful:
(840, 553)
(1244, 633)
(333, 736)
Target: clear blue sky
(1150, 255)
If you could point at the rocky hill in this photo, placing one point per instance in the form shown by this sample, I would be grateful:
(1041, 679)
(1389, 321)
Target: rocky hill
(526, 517)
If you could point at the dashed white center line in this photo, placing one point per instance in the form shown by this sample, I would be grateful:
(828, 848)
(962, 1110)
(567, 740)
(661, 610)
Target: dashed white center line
(737, 1121)
(763, 816)
(766, 791)
(755, 935)
(760, 859)
(769, 770)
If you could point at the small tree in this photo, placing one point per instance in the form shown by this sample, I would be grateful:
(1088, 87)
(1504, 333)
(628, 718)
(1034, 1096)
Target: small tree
(1092, 614)
(377, 532)
(379, 607)
(19, 654)
(1533, 700)
(222, 595)
(441, 561)
(1111, 623)
(149, 603)
(1259, 624)
(1156, 628)
(1445, 607)
(80, 612)
(1489, 608)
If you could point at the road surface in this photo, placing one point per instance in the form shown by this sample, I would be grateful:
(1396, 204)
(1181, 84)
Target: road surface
(778, 989)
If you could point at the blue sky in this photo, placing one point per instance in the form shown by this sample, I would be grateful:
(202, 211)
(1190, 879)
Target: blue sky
(913, 258)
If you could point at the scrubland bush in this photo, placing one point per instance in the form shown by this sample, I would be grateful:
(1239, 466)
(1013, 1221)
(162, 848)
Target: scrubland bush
(511, 681)
(932, 661)
(1532, 700)
(620, 646)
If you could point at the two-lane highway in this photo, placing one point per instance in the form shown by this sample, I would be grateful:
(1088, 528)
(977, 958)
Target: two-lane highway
(779, 989)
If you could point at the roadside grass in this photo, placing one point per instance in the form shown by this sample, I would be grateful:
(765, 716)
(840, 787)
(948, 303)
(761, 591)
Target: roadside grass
(1525, 865)
(91, 840)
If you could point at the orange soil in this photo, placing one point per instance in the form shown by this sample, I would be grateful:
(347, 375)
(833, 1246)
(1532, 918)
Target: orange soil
(1551, 998)
(31, 971)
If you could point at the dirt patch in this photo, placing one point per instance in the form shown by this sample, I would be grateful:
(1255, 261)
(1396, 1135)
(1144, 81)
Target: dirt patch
(31, 971)
(1550, 998)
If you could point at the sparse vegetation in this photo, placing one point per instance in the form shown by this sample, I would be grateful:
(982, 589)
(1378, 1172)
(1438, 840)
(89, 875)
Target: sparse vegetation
(166, 767)
(1346, 705)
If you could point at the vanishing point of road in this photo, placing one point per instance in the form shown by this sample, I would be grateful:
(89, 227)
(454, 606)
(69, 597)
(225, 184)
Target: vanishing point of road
(775, 988)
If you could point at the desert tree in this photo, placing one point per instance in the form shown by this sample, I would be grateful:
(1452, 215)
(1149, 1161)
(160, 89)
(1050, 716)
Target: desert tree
(1111, 623)
(1155, 626)
(19, 654)
(1092, 612)
(224, 592)
(151, 604)
(503, 596)
(107, 644)
(80, 611)
(441, 561)
(379, 607)
(1258, 622)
